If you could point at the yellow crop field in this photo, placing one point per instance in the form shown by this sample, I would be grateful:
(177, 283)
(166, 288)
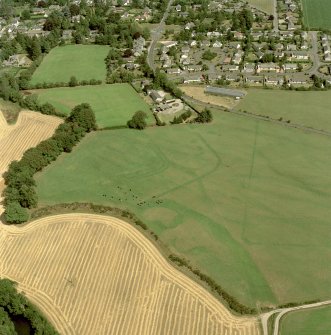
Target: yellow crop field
(93, 274)
(30, 129)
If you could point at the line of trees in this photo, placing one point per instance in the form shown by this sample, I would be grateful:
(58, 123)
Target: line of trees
(13, 303)
(20, 194)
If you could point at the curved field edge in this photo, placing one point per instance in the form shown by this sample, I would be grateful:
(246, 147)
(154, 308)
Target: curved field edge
(209, 312)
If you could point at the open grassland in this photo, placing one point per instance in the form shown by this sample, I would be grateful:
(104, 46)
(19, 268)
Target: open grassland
(264, 5)
(93, 274)
(315, 321)
(85, 62)
(316, 14)
(113, 105)
(246, 201)
(310, 109)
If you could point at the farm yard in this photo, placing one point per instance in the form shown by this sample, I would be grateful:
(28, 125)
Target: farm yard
(113, 104)
(311, 109)
(85, 62)
(93, 274)
(245, 218)
(263, 5)
(315, 321)
(316, 14)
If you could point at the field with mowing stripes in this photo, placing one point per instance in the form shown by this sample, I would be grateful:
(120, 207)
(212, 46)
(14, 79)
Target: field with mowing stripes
(316, 14)
(242, 199)
(315, 321)
(30, 129)
(311, 109)
(113, 105)
(94, 274)
(85, 62)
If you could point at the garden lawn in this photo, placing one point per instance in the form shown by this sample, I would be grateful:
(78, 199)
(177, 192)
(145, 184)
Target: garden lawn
(85, 62)
(113, 104)
(316, 14)
(314, 321)
(310, 108)
(246, 201)
(264, 5)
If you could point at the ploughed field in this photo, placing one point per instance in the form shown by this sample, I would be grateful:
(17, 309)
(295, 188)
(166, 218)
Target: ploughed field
(113, 104)
(246, 201)
(92, 274)
(85, 62)
(316, 14)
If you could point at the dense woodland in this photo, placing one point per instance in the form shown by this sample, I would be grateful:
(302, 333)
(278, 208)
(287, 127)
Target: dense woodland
(13, 303)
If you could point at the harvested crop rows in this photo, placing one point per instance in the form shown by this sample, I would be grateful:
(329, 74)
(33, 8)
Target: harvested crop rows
(30, 129)
(93, 274)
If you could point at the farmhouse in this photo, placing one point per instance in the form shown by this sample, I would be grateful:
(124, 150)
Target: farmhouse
(224, 92)
(157, 96)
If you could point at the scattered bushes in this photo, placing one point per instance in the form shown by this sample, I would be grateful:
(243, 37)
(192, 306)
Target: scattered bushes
(231, 301)
(182, 117)
(20, 193)
(138, 121)
(204, 117)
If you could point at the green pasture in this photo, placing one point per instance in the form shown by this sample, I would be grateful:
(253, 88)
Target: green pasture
(307, 322)
(309, 108)
(113, 104)
(85, 62)
(264, 5)
(246, 201)
(316, 14)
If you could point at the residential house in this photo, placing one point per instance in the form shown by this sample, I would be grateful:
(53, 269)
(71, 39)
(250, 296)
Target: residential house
(174, 71)
(217, 44)
(290, 67)
(267, 67)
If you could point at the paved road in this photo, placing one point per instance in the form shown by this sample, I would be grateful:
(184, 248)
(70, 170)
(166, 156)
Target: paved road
(275, 14)
(156, 35)
(282, 311)
(314, 53)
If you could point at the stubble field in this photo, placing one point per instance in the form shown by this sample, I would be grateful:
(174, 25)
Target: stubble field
(92, 274)
(85, 62)
(113, 104)
(242, 199)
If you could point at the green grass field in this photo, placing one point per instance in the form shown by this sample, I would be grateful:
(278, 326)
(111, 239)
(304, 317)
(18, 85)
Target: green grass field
(246, 201)
(85, 62)
(264, 5)
(310, 322)
(113, 105)
(310, 109)
(316, 14)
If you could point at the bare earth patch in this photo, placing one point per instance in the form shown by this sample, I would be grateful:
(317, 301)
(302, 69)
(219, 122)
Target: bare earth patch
(197, 92)
(93, 274)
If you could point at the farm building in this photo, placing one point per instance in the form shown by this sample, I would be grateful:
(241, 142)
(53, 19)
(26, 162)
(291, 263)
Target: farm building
(224, 92)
